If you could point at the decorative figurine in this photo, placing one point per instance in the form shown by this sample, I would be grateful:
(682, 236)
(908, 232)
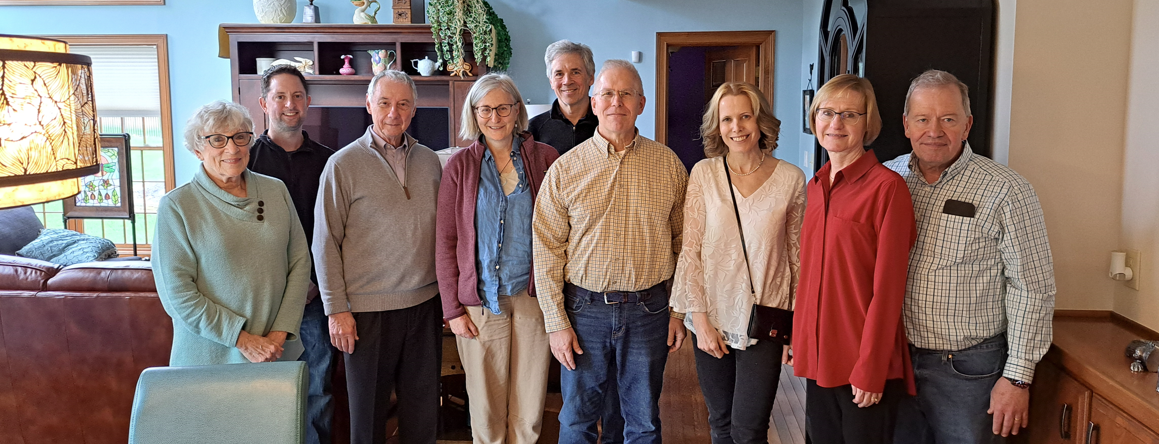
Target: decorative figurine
(459, 69)
(381, 59)
(310, 13)
(346, 70)
(426, 66)
(361, 17)
(1143, 356)
(306, 66)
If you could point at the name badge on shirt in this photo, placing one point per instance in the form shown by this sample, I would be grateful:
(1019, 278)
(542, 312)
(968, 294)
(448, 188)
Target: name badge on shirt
(958, 208)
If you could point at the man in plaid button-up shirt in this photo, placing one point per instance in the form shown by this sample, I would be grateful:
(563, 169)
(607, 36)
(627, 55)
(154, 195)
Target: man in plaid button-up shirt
(606, 234)
(980, 293)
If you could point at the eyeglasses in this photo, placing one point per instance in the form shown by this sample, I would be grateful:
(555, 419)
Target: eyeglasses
(240, 139)
(624, 96)
(827, 115)
(502, 110)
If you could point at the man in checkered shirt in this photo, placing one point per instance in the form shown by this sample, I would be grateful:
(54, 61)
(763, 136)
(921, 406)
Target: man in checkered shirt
(980, 293)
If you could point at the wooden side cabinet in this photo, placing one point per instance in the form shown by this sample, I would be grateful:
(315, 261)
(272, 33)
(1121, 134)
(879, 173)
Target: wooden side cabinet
(1084, 392)
(338, 109)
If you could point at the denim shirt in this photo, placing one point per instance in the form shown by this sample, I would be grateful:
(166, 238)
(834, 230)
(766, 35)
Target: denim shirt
(503, 227)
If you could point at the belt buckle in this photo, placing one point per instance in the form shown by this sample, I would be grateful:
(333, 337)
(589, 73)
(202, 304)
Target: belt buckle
(606, 301)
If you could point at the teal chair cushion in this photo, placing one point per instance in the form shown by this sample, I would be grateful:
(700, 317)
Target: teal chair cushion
(232, 403)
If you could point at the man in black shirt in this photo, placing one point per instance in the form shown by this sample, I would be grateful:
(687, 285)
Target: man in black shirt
(286, 152)
(571, 71)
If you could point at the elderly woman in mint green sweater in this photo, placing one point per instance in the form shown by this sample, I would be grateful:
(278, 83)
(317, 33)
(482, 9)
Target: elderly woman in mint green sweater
(229, 255)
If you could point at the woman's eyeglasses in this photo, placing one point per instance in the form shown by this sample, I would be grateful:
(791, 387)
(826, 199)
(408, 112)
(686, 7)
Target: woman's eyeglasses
(240, 139)
(503, 110)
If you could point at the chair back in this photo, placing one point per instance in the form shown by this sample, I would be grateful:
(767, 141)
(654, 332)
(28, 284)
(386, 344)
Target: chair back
(243, 403)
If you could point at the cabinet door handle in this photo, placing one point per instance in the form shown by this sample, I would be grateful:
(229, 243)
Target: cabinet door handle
(1064, 422)
(1093, 433)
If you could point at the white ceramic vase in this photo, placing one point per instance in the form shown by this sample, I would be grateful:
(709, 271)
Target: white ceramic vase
(275, 11)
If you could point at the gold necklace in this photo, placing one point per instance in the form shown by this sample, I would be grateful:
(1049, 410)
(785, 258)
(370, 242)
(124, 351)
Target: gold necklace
(762, 162)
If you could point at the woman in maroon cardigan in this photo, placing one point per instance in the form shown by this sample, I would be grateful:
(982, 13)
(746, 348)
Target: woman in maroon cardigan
(483, 262)
(848, 338)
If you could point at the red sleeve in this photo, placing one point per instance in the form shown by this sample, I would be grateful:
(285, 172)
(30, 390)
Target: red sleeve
(447, 237)
(896, 233)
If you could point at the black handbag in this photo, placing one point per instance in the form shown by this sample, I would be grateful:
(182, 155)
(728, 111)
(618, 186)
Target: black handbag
(764, 322)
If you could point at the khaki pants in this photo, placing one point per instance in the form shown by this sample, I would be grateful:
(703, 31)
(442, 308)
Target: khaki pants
(506, 368)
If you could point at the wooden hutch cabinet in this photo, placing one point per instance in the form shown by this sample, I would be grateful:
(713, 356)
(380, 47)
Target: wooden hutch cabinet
(334, 117)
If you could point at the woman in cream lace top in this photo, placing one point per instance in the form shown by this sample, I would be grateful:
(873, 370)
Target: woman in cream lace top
(712, 280)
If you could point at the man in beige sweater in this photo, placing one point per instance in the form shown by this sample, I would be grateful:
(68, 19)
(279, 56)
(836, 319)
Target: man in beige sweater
(374, 246)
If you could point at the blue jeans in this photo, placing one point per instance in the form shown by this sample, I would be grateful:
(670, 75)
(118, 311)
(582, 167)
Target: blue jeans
(953, 395)
(319, 359)
(626, 341)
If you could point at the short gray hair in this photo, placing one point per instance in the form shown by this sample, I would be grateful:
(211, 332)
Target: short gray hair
(624, 65)
(216, 116)
(469, 128)
(393, 76)
(935, 78)
(565, 46)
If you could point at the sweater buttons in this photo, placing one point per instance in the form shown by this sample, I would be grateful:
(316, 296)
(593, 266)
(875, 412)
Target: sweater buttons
(261, 210)
(261, 203)
(261, 218)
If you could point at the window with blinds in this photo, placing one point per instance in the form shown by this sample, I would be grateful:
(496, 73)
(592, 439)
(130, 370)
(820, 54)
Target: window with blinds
(130, 78)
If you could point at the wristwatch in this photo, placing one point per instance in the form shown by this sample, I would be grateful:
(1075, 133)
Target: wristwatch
(1018, 383)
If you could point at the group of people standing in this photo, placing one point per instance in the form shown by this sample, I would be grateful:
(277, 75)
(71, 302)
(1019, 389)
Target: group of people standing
(915, 296)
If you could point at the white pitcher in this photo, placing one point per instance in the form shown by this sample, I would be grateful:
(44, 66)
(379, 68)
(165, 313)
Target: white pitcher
(426, 66)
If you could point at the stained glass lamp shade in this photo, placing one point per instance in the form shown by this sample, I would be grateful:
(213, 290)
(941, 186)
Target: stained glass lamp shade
(48, 123)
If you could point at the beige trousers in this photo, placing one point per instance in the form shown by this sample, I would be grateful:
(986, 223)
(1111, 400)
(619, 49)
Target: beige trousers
(506, 368)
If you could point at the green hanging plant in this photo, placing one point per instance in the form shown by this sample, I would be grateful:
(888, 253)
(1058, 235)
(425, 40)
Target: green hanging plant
(490, 39)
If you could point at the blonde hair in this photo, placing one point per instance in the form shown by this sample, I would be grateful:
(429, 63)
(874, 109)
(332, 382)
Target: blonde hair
(842, 86)
(769, 125)
(468, 126)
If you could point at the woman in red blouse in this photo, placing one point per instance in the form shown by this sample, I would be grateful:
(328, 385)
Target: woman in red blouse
(848, 338)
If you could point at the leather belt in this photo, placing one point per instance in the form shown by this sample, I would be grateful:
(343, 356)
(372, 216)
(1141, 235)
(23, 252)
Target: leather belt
(616, 297)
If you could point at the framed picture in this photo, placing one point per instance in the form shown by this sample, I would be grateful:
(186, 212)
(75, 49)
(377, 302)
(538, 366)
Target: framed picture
(109, 193)
(807, 100)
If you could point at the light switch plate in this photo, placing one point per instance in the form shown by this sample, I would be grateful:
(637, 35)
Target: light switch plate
(1133, 258)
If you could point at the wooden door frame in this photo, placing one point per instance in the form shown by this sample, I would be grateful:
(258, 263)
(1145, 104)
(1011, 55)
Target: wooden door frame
(765, 41)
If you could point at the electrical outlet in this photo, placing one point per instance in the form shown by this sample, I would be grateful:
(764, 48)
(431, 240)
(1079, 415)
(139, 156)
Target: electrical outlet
(1133, 258)
(807, 160)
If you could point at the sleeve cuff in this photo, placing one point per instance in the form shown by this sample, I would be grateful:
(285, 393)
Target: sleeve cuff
(553, 327)
(1019, 369)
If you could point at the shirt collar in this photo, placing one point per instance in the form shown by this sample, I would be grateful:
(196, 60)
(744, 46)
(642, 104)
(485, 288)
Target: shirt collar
(307, 144)
(515, 144)
(557, 114)
(382, 145)
(852, 172)
(610, 150)
(953, 170)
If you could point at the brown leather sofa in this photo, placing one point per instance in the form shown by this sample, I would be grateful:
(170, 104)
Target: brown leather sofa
(73, 342)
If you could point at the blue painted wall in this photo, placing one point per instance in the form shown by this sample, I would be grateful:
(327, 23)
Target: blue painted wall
(613, 28)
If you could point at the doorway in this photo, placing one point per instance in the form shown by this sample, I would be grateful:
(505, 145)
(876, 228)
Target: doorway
(691, 66)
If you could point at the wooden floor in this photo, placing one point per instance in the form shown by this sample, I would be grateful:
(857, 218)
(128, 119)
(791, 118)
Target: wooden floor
(682, 410)
(685, 417)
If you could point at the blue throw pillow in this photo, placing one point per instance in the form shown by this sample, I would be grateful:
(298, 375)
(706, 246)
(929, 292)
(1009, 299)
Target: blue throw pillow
(18, 227)
(67, 247)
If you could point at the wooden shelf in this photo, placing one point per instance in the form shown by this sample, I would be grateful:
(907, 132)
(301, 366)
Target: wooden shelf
(324, 44)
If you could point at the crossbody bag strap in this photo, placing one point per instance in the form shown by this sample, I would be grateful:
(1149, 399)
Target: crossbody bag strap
(743, 247)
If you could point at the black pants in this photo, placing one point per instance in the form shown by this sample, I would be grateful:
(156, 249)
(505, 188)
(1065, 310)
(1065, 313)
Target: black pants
(833, 418)
(400, 351)
(739, 389)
